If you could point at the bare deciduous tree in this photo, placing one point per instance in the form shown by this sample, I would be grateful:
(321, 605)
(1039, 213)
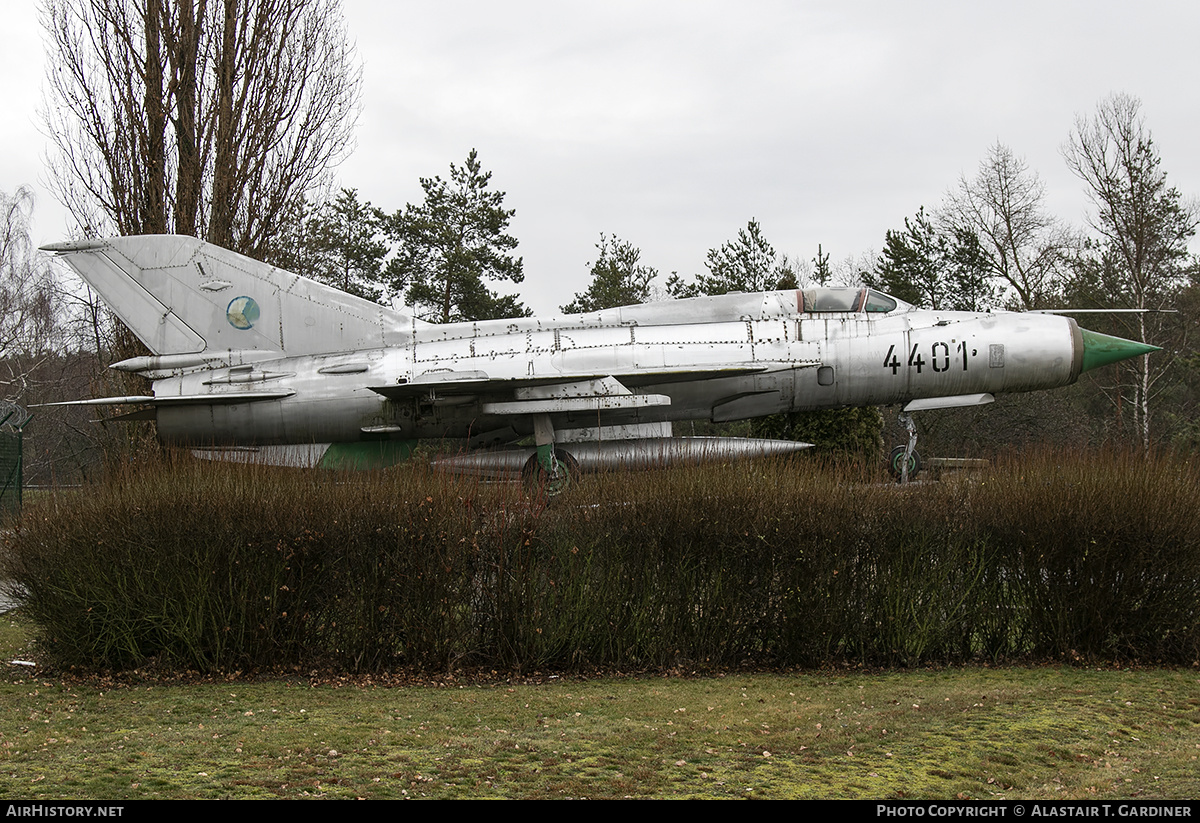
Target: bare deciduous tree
(1144, 225)
(1002, 205)
(208, 118)
(28, 298)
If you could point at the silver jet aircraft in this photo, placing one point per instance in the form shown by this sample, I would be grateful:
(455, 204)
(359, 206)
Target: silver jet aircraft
(244, 355)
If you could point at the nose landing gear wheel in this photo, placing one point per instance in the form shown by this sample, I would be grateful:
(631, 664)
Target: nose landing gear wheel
(896, 463)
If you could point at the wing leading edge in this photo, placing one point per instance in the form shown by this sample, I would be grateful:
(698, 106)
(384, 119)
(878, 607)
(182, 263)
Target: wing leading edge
(479, 383)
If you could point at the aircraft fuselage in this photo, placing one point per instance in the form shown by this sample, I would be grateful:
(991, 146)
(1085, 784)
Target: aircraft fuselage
(779, 361)
(243, 354)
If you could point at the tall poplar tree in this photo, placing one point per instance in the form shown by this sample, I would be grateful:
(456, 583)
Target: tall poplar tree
(209, 118)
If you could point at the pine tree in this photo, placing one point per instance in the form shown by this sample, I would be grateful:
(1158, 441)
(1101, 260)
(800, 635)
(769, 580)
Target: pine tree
(747, 264)
(618, 278)
(933, 268)
(344, 237)
(450, 243)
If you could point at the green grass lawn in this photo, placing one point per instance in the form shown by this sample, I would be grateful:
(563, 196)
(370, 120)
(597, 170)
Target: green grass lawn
(1051, 732)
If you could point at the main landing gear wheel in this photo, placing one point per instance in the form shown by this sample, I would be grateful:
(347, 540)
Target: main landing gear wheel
(896, 463)
(538, 479)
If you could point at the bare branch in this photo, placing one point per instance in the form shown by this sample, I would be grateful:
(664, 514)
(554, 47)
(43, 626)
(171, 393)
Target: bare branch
(1022, 245)
(29, 306)
(1144, 225)
(210, 117)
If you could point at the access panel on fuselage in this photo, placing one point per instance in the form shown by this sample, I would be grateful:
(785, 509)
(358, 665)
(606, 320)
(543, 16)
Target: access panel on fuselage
(624, 349)
(867, 358)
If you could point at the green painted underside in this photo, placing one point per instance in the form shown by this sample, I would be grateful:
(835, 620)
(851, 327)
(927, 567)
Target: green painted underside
(374, 454)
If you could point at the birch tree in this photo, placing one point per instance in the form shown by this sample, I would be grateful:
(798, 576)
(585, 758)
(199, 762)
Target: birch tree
(1142, 223)
(29, 299)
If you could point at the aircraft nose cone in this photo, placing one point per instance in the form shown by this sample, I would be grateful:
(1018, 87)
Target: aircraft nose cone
(1102, 349)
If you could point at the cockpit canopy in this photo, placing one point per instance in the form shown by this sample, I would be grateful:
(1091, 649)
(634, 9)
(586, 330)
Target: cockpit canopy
(846, 299)
(753, 306)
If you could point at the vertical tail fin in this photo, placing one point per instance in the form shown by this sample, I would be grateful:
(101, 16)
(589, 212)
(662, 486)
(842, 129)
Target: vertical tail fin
(180, 295)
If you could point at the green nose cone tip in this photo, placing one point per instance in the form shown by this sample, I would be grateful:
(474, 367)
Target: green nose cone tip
(1102, 349)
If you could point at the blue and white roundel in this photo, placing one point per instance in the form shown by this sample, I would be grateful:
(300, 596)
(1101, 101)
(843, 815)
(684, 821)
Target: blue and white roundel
(242, 313)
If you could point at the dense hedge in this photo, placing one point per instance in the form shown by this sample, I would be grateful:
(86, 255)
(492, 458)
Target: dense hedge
(219, 567)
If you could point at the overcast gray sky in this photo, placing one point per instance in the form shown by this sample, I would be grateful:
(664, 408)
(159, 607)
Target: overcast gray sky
(671, 124)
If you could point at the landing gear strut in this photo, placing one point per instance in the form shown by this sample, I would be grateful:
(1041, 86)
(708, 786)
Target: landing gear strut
(904, 461)
(549, 470)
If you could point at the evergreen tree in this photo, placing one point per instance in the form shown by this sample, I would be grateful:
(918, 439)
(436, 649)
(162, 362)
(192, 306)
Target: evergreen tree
(618, 278)
(907, 269)
(851, 431)
(345, 237)
(747, 264)
(291, 247)
(450, 243)
(339, 243)
(822, 274)
(933, 268)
